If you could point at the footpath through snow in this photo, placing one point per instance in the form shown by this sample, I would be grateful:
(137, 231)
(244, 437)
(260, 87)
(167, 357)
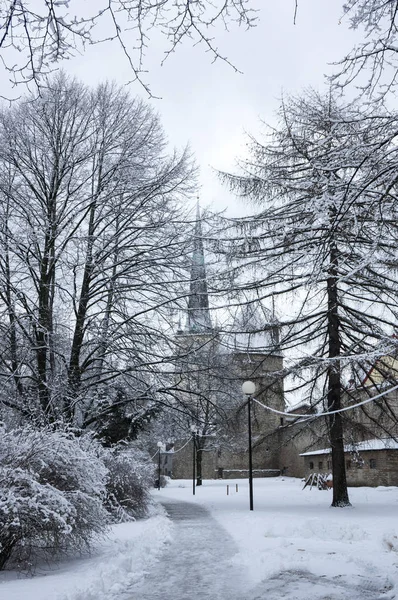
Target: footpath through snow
(197, 564)
(293, 546)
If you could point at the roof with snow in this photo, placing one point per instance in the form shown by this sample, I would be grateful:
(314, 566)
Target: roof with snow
(385, 444)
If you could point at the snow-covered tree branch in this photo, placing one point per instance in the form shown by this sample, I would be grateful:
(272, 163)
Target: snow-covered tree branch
(35, 37)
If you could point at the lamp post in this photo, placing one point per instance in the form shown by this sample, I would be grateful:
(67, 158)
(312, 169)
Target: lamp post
(160, 446)
(194, 431)
(249, 388)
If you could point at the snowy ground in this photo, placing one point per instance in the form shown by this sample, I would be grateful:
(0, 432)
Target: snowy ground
(292, 546)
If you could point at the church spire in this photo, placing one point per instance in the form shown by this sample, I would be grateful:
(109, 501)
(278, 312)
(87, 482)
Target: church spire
(198, 320)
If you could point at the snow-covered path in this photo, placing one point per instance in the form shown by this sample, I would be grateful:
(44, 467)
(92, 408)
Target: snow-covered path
(197, 563)
(302, 585)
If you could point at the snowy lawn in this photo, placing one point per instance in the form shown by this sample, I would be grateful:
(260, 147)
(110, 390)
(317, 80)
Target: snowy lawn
(123, 558)
(295, 530)
(290, 531)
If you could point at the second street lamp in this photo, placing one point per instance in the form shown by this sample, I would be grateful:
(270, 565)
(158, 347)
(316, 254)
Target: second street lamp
(194, 431)
(249, 388)
(160, 446)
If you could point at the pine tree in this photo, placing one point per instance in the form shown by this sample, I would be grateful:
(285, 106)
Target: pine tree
(322, 243)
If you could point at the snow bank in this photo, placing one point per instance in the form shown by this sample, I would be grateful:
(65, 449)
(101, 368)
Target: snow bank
(123, 559)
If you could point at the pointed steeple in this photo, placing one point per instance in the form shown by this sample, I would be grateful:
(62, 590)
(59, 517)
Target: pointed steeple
(198, 320)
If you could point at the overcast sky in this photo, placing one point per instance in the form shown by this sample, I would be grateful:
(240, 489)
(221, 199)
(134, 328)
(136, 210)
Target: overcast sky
(210, 106)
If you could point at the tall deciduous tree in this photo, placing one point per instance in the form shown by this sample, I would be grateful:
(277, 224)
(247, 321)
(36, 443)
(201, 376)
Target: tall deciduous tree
(91, 249)
(324, 180)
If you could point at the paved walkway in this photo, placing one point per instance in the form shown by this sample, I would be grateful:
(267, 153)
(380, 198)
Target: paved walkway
(197, 564)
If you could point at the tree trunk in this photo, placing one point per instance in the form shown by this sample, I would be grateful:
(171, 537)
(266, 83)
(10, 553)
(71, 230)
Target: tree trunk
(200, 444)
(43, 328)
(340, 492)
(74, 371)
(103, 345)
(16, 371)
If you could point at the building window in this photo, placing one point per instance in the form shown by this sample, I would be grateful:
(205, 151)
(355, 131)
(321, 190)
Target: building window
(311, 465)
(348, 464)
(372, 463)
(320, 465)
(281, 421)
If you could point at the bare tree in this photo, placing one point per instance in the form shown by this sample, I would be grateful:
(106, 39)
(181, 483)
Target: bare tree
(92, 248)
(36, 37)
(205, 394)
(323, 244)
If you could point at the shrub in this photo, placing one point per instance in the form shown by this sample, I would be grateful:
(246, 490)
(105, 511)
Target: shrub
(52, 489)
(31, 514)
(58, 492)
(164, 481)
(129, 480)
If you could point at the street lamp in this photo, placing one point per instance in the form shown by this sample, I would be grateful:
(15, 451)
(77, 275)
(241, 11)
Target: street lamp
(194, 431)
(249, 388)
(160, 447)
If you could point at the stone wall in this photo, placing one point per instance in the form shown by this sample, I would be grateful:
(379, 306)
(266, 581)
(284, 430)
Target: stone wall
(216, 461)
(232, 450)
(294, 441)
(298, 436)
(260, 369)
(244, 473)
(374, 419)
(183, 463)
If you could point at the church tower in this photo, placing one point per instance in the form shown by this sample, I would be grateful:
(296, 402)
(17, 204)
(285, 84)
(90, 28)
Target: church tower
(256, 356)
(198, 318)
(196, 361)
(198, 335)
(210, 368)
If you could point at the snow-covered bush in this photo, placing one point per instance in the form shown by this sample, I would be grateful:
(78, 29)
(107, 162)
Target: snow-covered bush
(58, 491)
(30, 514)
(52, 491)
(130, 477)
(164, 480)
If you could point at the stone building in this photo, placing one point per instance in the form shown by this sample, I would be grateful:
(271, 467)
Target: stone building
(298, 434)
(370, 433)
(372, 462)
